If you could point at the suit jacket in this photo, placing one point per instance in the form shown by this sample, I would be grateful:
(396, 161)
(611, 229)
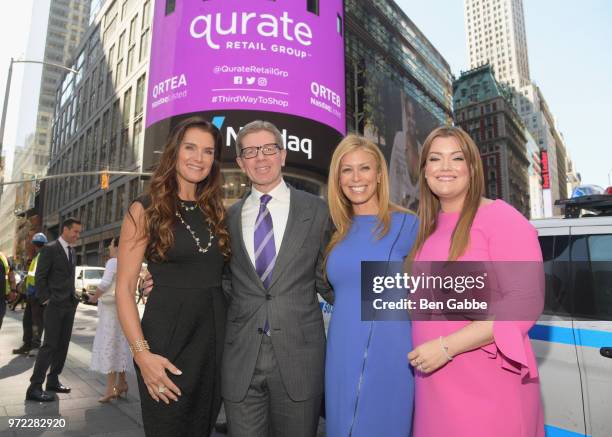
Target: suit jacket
(55, 275)
(290, 304)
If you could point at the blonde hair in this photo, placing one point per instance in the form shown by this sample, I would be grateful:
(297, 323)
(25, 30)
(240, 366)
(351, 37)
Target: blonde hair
(429, 205)
(340, 207)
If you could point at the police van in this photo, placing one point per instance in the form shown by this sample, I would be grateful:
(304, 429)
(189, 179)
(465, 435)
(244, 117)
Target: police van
(573, 338)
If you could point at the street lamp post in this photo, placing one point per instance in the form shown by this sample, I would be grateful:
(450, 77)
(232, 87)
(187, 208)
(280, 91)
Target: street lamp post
(8, 89)
(4, 106)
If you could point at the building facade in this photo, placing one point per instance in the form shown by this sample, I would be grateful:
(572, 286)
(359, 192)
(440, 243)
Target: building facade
(98, 125)
(483, 108)
(68, 20)
(496, 36)
(398, 88)
(540, 122)
(536, 195)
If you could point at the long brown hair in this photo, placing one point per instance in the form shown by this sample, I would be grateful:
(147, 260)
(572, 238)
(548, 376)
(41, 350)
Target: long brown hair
(163, 190)
(429, 204)
(340, 208)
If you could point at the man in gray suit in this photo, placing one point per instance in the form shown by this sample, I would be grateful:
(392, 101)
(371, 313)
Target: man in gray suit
(273, 360)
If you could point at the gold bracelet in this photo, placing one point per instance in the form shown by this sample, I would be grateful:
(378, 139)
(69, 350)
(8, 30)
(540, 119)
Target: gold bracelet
(139, 346)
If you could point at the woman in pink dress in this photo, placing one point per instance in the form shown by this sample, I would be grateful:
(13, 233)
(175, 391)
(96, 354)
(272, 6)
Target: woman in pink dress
(472, 378)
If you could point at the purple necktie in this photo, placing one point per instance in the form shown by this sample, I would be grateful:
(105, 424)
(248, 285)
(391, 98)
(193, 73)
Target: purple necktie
(265, 251)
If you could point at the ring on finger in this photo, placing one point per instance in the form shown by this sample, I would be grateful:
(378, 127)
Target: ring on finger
(161, 389)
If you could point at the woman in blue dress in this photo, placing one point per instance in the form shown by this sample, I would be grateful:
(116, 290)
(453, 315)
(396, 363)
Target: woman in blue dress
(368, 382)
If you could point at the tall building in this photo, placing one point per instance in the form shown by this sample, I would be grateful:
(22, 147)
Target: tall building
(483, 108)
(536, 198)
(98, 124)
(496, 35)
(537, 117)
(398, 88)
(68, 20)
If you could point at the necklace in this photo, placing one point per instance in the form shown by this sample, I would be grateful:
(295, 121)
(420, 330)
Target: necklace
(187, 207)
(194, 236)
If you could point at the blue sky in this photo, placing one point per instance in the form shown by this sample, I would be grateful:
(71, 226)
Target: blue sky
(570, 59)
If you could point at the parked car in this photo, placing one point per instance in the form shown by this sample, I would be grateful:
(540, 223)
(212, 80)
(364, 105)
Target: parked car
(86, 280)
(573, 338)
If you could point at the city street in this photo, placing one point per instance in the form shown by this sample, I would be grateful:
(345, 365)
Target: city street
(83, 414)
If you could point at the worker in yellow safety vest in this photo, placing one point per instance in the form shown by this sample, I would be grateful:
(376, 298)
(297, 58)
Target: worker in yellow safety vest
(7, 285)
(33, 315)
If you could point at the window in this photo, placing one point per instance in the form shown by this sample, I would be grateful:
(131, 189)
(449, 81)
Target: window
(146, 15)
(170, 6)
(92, 99)
(112, 153)
(109, 76)
(118, 70)
(98, 212)
(95, 146)
(119, 209)
(125, 156)
(88, 215)
(144, 45)
(140, 86)
(313, 6)
(131, 45)
(138, 138)
(134, 189)
(108, 208)
(104, 139)
(592, 274)
(127, 102)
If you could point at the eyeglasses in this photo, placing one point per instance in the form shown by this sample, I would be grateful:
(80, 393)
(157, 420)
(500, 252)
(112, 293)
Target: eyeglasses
(266, 149)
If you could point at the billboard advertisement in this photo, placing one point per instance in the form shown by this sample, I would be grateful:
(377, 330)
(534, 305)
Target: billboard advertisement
(399, 124)
(282, 61)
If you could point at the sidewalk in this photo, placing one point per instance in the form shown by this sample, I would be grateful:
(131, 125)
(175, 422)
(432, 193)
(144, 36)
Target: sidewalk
(83, 414)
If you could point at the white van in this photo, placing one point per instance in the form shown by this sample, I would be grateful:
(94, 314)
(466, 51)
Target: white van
(573, 338)
(87, 279)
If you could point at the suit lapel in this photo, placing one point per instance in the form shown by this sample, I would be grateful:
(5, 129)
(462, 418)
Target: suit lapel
(62, 253)
(298, 224)
(243, 251)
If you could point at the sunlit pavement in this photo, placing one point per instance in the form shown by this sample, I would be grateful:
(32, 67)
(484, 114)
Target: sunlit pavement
(80, 410)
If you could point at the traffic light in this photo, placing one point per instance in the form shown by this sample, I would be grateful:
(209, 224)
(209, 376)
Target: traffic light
(104, 180)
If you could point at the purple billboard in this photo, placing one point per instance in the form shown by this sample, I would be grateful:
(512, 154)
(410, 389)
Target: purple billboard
(283, 56)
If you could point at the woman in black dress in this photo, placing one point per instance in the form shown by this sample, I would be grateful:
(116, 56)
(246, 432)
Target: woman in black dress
(179, 227)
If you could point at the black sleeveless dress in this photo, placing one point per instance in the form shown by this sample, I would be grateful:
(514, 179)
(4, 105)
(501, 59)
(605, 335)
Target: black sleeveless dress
(184, 321)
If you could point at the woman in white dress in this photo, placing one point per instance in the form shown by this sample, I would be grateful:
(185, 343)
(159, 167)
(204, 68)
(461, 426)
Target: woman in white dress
(111, 353)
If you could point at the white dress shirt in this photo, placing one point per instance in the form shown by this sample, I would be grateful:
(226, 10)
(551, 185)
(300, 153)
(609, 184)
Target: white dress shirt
(65, 245)
(279, 210)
